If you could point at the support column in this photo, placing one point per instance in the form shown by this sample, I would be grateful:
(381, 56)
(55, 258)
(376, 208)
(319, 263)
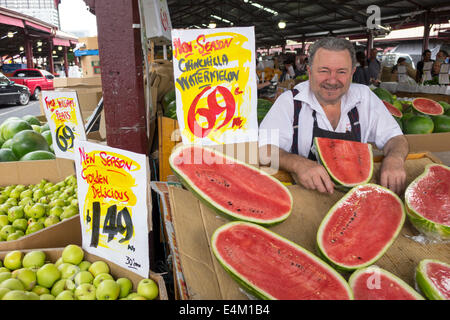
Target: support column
(369, 43)
(121, 58)
(66, 62)
(50, 56)
(426, 32)
(29, 51)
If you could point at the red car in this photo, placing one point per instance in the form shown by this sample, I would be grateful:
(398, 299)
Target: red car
(35, 79)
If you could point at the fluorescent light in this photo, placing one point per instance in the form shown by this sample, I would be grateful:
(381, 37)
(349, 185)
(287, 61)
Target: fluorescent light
(212, 25)
(260, 6)
(10, 34)
(221, 19)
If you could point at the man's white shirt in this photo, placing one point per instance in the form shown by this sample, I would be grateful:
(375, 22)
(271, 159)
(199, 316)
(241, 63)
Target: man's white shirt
(376, 122)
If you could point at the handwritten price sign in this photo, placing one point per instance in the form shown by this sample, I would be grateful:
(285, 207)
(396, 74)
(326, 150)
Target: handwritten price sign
(113, 196)
(64, 119)
(215, 81)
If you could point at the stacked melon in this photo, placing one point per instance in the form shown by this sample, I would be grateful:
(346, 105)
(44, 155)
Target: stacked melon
(26, 138)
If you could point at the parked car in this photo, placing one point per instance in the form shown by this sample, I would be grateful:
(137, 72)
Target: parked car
(11, 92)
(35, 79)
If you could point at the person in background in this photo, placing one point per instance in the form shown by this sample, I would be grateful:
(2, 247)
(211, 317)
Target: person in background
(361, 74)
(374, 67)
(436, 68)
(409, 70)
(442, 56)
(426, 57)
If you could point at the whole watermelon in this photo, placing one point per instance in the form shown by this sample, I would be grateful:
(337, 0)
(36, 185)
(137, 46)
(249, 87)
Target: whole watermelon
(419, 125)
(27, 141)
(168, 98)
(441, 123)
(12, 127)
(171, 111)
(38, 155)
(31, 119)
(263, 107)
(383, 94)
(7, 155)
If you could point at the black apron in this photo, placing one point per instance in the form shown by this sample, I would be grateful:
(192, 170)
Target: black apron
(353, 135)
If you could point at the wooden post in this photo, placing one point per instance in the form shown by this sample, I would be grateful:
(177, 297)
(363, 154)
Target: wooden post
(426, 31)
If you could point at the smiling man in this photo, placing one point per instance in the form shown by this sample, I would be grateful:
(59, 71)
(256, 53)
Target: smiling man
(330, 106)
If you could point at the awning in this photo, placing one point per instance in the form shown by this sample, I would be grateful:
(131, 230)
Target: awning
(38, 27)
(61, 42)
(11, 21)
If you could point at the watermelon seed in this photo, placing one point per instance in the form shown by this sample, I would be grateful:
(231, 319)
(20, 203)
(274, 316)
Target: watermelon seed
(230, 203)
(359, 258)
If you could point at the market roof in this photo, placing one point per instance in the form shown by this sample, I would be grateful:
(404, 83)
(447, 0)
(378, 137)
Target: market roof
(308, 19)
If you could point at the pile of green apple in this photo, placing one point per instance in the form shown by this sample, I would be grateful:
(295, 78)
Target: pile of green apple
(27, 209)
(31, 277)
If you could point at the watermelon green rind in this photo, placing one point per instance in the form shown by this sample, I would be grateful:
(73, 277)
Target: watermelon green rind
(359, 272)
(217, 207)
(430, 228)
(425, 285)
(344, 267)
(246, 283)
(416, 106)
(342, 186)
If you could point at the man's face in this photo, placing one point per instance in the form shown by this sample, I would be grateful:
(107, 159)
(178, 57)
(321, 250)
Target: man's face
(427, 56)
(330, 75)
(373, 53)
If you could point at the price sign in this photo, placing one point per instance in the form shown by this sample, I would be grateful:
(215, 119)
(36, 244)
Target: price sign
(113, 200)
(64, 119)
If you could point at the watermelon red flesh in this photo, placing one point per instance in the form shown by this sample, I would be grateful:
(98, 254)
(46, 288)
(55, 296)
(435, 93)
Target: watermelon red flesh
(349, 163)
(439, 275)
(427, 106)
(393, 110)
(361, 226)
(429, 195)
(377, 284)
(233, 188)
(274, 266)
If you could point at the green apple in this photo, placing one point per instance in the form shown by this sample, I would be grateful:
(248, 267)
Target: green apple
(148, 289)
(6, 231)
(62, 285)
(85, 291)
(47, 275)
(131, 295)
(58, 262)
(34, 227)
(34, 259)
(37, 210)
(16, 295)
(84, 265)
(4, 269)
(101, 277)
(16, 235)
(20, 224)
(107, 290)
(3, 221)
(98, 267)
(46, 296)
(83, 277)
(56, 211)
(27, 277)
(69, 211)
(125, 286)
(28, 193)
(14, 213)
(68, 270)
(138, 297)
(72, 254)
(44, 200)
(13, 260)
(3, 291)
(11, 202)
(40, 290)
(65, 295)
(26, 201)
(5, 276)
(39, 193)
(32, 296)
(51, 220)
(57, 203)
(12, 284)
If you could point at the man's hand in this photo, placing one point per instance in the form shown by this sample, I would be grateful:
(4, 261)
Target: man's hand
(392, 171)
(313, 176)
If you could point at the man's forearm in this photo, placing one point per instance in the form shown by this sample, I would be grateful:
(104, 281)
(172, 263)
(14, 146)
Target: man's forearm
(286, 161)
(397, 147)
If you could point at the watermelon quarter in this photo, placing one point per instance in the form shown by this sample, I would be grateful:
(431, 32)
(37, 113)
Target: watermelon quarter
(393, 110)
(360, 227)
(271, 267)
(231, 187)
(349, 163)
(433, 279)
(427, 200)
(427, 106)
(374, 283)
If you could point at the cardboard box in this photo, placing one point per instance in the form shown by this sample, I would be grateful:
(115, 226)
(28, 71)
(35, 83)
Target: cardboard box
(434, 142)
(205, 278)
(116, 271)
(32, 172)
(91, 43)
(75, 82)
(90, 66)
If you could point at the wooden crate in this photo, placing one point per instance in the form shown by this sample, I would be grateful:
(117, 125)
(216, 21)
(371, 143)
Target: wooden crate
(168, 136)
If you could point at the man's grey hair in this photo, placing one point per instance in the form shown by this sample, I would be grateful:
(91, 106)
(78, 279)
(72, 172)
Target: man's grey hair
(333, 44)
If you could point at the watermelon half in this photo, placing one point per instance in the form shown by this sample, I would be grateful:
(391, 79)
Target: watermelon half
(271, 267)
(374, 283)
(427, 201)
(433, 278)
(360, 227)
(231, 187)
(427, 106)
(393, 110)
(349, 163)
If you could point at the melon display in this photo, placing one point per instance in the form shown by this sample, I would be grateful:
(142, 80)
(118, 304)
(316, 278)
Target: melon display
(433, 278)
(427, 200)
(441, 123)
(349, 163)
(418, 124)
(360, 227)
(269, 266)
(384, 94)
(231, 187)
(374, 283)
(427, 106)
(393, 110)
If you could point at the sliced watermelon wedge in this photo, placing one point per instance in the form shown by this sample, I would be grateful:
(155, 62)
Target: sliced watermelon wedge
(393, 110)
(427, 106)
(433, 279)
(360, 227)
(374, 283)
(348, 163)
(231, 187)
(271, 267)
(427, 200)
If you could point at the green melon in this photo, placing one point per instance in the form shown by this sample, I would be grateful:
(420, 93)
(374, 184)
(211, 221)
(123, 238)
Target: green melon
(419, 125)
(383, 94)
(48, 136)
(171, 110)
(38, 155)
(441, 123)
(7, 144)
(14, 126)
(7, 155)
(168, 98)
(31, 119)
(27, 141)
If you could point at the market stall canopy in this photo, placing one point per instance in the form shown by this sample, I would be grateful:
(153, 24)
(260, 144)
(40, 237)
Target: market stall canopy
(306, 19)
